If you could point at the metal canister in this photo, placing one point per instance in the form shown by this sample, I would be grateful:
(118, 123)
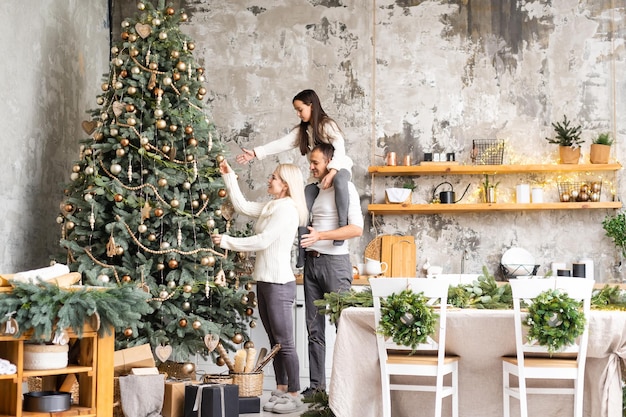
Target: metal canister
(391, 159)
(407, 160)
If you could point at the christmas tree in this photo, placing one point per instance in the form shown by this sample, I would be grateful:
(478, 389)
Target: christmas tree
(146, 194)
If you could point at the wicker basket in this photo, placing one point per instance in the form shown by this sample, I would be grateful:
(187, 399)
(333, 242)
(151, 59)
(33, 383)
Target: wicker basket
(217, 379)
(250, 384)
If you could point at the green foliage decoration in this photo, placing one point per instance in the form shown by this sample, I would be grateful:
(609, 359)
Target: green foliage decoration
(407, 318)
(609, 298)
(483, 293)
(555, 320)
(603, 139)
(615, 228)
(566, 135)
(333, 303)
(318, 405)
(46, 309)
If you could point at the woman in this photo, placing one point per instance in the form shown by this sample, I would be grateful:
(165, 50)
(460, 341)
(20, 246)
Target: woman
(276, 227)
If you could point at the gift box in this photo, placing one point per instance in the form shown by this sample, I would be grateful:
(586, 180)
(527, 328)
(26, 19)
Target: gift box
(212, 400)
(135, 357)
(174, 398)
(249, 405)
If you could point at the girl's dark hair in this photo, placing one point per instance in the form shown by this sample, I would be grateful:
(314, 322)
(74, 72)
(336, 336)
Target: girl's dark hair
(318, 118)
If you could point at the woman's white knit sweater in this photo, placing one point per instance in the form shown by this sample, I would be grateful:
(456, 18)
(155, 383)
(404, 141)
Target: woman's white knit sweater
(275, 231)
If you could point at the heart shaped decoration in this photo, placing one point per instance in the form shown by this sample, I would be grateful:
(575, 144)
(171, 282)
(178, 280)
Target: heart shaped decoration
(118, 108)
(89, 127)
(163, 352)
(143, 30)
(211, 341)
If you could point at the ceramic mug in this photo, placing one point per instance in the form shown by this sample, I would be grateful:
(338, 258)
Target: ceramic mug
(374, 267)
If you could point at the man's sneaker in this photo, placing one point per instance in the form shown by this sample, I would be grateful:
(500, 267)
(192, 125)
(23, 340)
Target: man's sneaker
(287, 404)
(269, 405)
(310, 391)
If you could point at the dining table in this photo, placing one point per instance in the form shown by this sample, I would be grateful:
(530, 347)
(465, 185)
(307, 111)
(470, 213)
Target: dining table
(480, 337)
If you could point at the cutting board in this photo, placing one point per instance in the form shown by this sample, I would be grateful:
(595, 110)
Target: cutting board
(399, 254)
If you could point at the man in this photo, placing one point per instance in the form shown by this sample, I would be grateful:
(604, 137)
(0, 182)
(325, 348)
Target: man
(327, 267)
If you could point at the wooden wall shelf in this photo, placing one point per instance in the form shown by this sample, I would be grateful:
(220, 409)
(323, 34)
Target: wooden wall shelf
(455, 169)
(478, 207)
(445, 169)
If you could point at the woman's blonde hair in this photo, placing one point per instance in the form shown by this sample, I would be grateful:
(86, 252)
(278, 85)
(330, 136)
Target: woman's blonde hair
(292, 176)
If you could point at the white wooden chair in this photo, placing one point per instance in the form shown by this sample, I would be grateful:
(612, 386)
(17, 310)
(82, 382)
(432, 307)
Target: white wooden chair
(532, 360)
(429, 360)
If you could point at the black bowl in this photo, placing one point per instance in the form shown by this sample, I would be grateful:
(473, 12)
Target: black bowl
(47, 401)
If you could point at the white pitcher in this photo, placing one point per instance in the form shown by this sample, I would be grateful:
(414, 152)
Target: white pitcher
(374, 267)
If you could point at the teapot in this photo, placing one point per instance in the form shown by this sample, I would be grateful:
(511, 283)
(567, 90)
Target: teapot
(448, 197)
(374, 267)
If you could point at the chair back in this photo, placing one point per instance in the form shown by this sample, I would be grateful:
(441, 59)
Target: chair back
(527, 290)
(435, 290)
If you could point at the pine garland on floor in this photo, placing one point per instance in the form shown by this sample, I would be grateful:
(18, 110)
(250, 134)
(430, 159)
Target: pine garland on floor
(319, 405)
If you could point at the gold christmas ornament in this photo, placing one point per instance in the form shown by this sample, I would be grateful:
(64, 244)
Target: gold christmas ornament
(248, 345)
(181, 66)
(196, 324)
(162, 182)
(252, 324)
(169, 11)
(186, 306)
(126, 278)
(164, 294)
(118, 198)
(128, 332)
(172, 263)
(222, 193)
(237, 338)
(182, 322)
(161, 124)
(188, 368)
(219, 361)
(187, 288)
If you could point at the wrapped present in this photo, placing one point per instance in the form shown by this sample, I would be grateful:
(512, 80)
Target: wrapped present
(174, 398)
(135, 357)
(211, 400)
(249, 405)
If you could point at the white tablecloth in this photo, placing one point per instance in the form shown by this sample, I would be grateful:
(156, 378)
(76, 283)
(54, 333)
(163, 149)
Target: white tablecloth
(480, 338)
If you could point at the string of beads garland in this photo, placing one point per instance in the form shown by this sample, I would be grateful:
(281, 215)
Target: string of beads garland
(407, 318)
(555, 320)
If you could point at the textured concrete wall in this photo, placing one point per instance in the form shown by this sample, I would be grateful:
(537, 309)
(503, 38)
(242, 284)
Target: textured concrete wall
(54, 53)
(415, 76)
(403, 76)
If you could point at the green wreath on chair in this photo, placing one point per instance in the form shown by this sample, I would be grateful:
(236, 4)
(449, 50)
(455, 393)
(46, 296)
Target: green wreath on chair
(407, 318)
(555, 320)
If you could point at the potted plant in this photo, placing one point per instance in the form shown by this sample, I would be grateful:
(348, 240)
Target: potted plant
(601, 149)
(488, 189)
(568, 139)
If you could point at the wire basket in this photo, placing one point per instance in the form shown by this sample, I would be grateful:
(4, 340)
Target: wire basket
(250, 383)
(487, 151)
(514, 271)
(585, 191)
